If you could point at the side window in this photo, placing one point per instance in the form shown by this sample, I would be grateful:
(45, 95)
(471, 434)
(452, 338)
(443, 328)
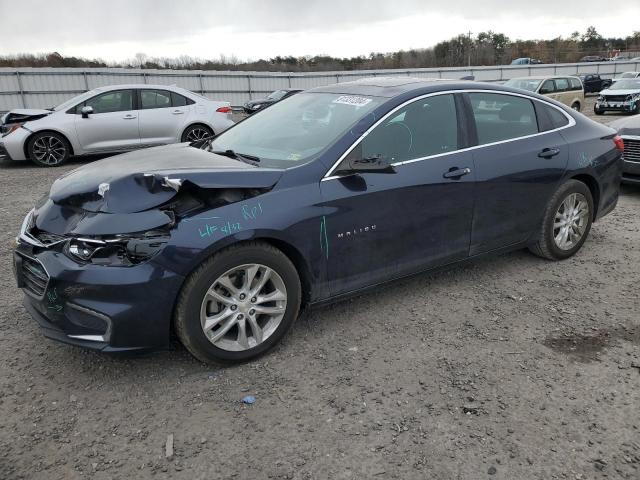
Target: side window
(547, 87)
(556, 118)
(562, 84)
(115, 101)
(154, 99)
(178, 100)
(425, 127)
(502, 117)
(575, 84)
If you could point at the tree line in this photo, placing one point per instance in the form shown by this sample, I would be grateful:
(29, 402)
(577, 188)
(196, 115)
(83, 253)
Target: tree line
(485, 48)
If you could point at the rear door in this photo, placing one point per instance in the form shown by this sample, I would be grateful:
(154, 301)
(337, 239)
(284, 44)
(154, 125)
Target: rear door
(518, 167)
(113, 125)
(382, 225)
(162, 116)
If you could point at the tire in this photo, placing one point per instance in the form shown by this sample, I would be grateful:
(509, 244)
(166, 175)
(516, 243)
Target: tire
(193, 133)
(195, 304)
(597, 111)
(636, 108)
(576, 106)
(546, 245)
(48, 149)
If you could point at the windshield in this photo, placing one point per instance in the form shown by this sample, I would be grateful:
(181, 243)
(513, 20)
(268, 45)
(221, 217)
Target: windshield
(628, 75)
(524, 83)
(296, 130)
(633, 84)
(72, 101)
(277, 95)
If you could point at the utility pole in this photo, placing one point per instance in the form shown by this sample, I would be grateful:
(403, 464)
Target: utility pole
(469, 47)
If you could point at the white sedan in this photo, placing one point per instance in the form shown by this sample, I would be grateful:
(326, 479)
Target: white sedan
(110, 119)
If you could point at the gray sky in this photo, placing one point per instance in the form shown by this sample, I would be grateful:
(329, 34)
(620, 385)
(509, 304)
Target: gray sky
(252, 29)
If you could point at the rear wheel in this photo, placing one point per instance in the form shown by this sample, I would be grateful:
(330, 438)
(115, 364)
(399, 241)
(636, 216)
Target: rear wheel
(567, 222)
(576, 106)
(48, 149)
(238, 304)
(196, 132)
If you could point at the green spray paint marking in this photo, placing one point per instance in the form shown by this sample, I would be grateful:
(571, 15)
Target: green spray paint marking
(324, 241)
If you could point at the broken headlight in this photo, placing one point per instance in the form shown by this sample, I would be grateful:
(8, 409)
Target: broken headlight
(121, 250)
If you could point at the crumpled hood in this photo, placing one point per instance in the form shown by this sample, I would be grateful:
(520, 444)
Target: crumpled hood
(141, 180)
(23, 115)
(627, 126)
(620, 92)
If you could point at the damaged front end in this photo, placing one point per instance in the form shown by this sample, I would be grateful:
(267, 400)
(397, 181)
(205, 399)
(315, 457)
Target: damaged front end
(16, 118)
(96, 256)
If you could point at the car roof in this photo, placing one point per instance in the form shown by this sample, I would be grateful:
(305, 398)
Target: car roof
(394, 86)
(139, 85)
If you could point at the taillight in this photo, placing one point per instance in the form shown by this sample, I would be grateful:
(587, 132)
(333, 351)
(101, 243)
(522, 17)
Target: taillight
(619, 143)
(224, 110)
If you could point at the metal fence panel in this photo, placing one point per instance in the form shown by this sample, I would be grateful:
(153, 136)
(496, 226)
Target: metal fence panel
(44, 87)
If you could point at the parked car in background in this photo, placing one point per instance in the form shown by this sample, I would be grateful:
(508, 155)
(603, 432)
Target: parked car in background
(629, 129)
(567, 90)
(111, 119)
(626, 75)
(622, 96)
(337, 189)
(594, 58)
(253, 106)
(525, 61)
(593, 83)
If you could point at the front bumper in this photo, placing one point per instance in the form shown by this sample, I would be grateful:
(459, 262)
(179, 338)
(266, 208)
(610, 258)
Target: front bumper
(627, 106)
(14, 143)
(100, 307)
(631, 157)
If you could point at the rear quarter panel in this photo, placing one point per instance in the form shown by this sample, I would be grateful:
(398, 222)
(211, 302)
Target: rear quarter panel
(592, 154)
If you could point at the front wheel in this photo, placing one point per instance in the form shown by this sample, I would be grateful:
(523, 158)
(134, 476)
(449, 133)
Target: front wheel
(48, 149)
(238, 304)
(567, 222)
(597, 111)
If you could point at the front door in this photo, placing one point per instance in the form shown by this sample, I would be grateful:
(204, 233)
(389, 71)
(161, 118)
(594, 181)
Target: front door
(113, 125)
(517, 169)
(384, 225)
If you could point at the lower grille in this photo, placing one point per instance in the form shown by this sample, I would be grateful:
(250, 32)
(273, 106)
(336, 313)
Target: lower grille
(34, 276)
(631, 149)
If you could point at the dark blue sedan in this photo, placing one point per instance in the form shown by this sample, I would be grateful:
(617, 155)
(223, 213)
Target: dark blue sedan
(318, 197)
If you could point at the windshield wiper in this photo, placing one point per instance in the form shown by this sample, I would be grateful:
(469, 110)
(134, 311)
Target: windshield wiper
(250, 159)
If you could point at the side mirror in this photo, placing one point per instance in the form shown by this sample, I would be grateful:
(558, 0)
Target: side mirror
(371, 164)
(85, 111)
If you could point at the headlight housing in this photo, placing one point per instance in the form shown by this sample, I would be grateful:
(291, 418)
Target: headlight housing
(120, 250)
(7, 129)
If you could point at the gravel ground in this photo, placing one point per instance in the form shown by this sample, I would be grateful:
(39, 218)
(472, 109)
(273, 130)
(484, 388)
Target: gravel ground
(509, 368)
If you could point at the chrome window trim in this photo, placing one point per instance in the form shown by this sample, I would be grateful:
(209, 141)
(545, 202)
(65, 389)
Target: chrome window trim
(572, 122)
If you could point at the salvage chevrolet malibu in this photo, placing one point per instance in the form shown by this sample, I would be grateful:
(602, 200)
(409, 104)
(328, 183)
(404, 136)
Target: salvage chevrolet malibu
(340, 188)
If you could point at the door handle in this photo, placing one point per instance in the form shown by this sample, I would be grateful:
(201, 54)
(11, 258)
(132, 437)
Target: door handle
(549, 152)
(456, 173)
(129, 117)
(177, 112)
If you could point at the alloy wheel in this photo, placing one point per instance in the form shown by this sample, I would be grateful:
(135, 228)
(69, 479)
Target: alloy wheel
(570, 221)
(243, 307)
(197, 133)
(49, 150)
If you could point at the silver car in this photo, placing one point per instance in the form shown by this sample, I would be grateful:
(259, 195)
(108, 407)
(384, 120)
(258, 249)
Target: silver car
(111, 119)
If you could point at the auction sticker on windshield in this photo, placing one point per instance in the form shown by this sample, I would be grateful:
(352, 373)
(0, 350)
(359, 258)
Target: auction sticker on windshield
(352, 100)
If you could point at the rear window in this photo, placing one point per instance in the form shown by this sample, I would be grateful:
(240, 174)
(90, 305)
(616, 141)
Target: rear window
(502, 117)
(555, 118)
